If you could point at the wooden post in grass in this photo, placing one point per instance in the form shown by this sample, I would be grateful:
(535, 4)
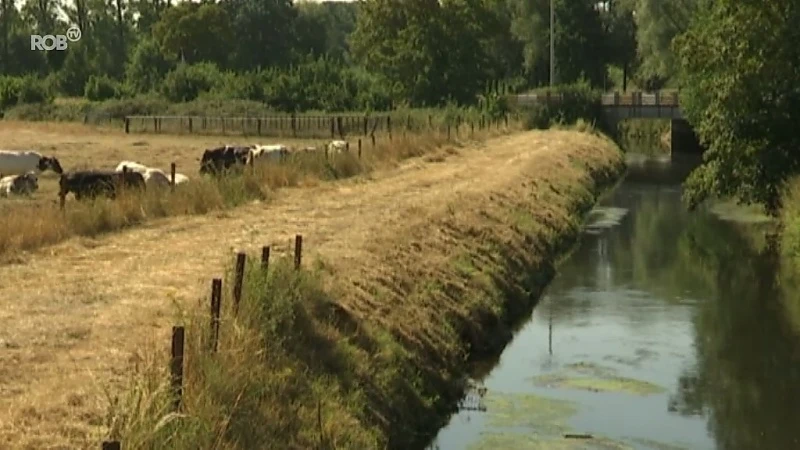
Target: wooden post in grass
(127, 125)
(172, 176)
(238, 281)
(448, 131)
(176, 366)
(359, 148)
(298, 250)
(216, 303)
(111, 445)
(471, 128)
(265, 257)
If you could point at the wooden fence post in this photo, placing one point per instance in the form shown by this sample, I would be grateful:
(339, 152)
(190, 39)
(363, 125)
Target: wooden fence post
(333, 128)
(298, 250)
(265, 257)
(111, 445)
(216, 303)
(190, 125)
(389, 126)
(471, 128)
(172, 176)
(176, 366)
(359, 148)
(448, 131)
(238, 281)
(373, 140)
(127, 125)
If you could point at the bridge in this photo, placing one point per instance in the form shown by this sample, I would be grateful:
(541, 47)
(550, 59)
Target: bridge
(633, 105)
(616, 106)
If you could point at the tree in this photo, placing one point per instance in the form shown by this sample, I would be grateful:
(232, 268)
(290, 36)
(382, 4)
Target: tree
(196, 33)
(658, 23)
(741, 92)
(265, 30)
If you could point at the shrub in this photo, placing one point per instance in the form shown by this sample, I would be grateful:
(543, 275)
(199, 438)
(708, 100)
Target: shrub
(101, 88)
(578, 101)
(188, 81)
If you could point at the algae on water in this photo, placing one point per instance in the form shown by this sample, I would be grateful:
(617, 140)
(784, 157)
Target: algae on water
(595, 378)
(541, 415)
(531, 422)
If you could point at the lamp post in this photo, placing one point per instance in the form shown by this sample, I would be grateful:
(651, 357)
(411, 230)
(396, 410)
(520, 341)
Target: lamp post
(552, 46)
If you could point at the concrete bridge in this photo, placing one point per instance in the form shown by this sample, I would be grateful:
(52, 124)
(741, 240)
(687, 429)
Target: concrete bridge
(633, 105)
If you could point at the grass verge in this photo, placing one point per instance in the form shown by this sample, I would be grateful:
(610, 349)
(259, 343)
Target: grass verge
(316, 360)
(30, 226)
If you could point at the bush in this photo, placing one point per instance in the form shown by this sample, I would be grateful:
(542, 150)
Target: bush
(9, 91)
(101, 88)
(188, 81)
(578, 101)
(23, 90)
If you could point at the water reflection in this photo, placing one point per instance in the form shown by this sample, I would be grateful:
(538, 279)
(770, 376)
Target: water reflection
(665, 300)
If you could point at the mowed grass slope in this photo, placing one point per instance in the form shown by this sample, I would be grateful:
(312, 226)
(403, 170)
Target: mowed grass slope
(405, 272)
(30, 222)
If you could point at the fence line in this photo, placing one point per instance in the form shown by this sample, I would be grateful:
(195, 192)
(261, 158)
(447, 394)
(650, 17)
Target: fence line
(177, 364)
(297, 126)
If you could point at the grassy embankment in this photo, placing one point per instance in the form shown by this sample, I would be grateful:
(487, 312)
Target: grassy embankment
(374, 356)
(26, 224)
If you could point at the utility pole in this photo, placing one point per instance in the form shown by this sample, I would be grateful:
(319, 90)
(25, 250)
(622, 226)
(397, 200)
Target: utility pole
(552, 46)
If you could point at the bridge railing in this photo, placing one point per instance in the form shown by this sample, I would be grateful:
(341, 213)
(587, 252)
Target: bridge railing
(658, 99)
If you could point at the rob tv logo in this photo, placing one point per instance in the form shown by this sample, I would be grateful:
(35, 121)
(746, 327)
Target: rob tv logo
(55, 42)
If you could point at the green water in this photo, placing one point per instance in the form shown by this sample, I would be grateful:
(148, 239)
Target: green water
(663, 330)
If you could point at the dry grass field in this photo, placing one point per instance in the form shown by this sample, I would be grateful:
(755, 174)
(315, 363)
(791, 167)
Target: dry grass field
(76, 317)
(79, 146)
(28, 223)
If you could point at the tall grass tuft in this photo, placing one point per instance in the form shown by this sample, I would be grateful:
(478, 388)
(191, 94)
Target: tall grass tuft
(290, 357)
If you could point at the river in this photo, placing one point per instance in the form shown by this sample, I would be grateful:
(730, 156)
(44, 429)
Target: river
(663, 329)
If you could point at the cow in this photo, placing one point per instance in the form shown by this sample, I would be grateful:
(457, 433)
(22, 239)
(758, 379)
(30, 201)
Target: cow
(220, 159)
(152, 177)
(275, 152)
(180, 178)
(337, 147)
(24, 184)
(21, 162)
(91, 183)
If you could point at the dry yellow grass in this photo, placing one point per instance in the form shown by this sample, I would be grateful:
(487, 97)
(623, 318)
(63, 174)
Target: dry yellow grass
(30, 222)
(77, 316)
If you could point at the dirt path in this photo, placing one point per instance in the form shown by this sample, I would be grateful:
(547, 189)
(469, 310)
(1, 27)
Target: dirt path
(72, 316)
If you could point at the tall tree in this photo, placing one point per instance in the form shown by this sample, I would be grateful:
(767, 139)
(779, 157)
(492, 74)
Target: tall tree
(740, 78)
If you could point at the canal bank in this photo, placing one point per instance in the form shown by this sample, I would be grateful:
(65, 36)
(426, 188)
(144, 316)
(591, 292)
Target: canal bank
(664, 329)
(407, 278)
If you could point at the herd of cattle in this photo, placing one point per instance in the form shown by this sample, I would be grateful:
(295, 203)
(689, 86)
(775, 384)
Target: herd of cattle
(19, 170)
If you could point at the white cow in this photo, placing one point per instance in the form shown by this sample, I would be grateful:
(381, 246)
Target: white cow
(337, 147)
(152, 176)
(180, 178)
(24, 184)
(14, 162)
(274, 152)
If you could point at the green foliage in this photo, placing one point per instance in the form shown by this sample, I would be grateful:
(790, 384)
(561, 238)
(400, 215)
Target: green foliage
(188, 81)
(23, 90)
(738, 71)
(578, 102)
(147, 67)
(102, 88)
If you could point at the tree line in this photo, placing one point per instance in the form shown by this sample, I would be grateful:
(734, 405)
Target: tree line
(371, 54)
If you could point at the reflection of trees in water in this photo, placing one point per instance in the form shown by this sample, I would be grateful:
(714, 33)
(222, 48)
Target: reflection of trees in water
(748, 356)
(747, 376)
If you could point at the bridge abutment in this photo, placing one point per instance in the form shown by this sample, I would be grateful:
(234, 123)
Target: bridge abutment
(683, 139)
